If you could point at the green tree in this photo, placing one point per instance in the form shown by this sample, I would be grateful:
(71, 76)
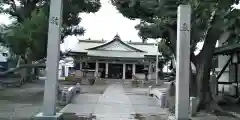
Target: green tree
(210, 21)
(32, 22)
(27, 36)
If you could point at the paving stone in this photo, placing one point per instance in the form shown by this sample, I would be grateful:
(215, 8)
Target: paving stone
(143, 100)
(121, 99)
(114, 94)
(116, 104)
(143, 109)
(114, 108)
(115, 118)
(79, 109)
(86, 99)
(114, 115)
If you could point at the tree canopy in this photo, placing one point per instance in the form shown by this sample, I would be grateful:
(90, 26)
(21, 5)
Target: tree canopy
(158, 18)
(27, 36)
(211, 20)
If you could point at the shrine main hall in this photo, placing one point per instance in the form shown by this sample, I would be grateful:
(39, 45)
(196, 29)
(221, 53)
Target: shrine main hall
(116, 59)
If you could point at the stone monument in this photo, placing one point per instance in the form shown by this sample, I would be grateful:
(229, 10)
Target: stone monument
(183, 60)
(53, 50)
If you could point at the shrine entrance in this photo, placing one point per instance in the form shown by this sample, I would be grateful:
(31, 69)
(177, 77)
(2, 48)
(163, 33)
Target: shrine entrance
(115, 71)
(102, 70)
(129, 72)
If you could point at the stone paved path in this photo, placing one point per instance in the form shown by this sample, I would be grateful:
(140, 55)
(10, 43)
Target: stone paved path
(115, 104)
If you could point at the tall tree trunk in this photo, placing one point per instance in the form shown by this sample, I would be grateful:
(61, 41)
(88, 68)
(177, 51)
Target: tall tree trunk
(193, 83)
(19, 61)
(22, 71)
(202, 77)
(26, 72)
(29, 71)
(203, 67)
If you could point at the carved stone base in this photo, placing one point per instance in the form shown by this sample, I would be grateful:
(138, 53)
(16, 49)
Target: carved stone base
(40, 116)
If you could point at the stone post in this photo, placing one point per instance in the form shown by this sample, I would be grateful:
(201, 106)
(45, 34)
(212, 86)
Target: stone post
(53, 50)
(66, 71)
(150, 71)
(133, 69)
(156, 70)
(64, 96)
(193, 106)
(124, 71)
(149, 90)
(106, 71)
(183, 60)
(80, 66)
(78, 88)
(96, 69)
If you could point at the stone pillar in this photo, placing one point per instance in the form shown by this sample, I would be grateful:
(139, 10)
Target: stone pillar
(193, 106)
(156, 70)
(183, 60)
(53, 49)
(124, 71)
(106, 71)
(66, 70)
(150, 71)
(133, 69)
(80, 66)
(96, 69)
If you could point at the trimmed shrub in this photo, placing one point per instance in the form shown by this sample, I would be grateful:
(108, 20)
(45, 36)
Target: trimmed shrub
(91, 81)
(69, 78)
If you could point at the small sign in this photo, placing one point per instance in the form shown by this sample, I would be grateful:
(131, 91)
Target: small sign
(184, 27)
(54, 20)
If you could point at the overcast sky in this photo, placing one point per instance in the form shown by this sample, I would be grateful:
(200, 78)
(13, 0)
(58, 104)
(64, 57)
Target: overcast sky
(104, 24)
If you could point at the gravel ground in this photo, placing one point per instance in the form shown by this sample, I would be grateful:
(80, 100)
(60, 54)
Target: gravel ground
(22, 103)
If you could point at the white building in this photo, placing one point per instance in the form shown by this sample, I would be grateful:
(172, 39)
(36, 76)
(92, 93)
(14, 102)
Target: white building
(228, 68)
(4, 55)
(64, 66)
(116, 59)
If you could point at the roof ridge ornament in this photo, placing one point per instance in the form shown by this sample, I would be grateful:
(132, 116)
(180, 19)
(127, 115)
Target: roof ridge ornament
(117, 37)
